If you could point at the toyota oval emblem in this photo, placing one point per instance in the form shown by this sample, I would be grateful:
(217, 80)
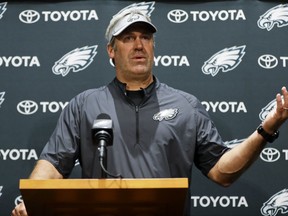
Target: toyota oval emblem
(18, 200)
(29, 16)
(27, 107)
(270, 155)
(267, 61)
(177, 16)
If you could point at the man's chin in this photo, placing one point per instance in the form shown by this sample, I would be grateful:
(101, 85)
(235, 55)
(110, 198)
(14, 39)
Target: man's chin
(140, 69)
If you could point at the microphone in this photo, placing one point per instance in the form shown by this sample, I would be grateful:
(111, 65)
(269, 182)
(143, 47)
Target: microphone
(102, 132)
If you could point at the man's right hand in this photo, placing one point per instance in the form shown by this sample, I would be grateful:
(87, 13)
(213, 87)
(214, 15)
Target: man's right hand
(19, 210)
(43, 170)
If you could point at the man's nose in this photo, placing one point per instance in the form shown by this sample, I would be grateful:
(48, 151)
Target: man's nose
(138, 43)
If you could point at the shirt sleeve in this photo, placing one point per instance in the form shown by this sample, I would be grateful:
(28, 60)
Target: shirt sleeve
(63, 146)
(210, 146)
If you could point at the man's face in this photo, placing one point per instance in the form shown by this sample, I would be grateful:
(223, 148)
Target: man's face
(133, 53)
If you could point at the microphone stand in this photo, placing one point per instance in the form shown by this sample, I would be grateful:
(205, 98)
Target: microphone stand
(102, 158)
(103, 136)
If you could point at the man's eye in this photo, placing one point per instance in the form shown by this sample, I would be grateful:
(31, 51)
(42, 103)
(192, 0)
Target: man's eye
(146, 37)
(129, 38)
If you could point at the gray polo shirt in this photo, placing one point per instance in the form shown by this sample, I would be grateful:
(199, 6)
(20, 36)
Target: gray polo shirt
(159, 138)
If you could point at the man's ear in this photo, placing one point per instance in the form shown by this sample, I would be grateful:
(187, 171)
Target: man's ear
(110, 51)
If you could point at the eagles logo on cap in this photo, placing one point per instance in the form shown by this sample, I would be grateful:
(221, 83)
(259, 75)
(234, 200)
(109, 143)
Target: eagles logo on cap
(124, 19)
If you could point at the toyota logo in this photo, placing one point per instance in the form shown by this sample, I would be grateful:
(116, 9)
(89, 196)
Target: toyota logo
(29, 16)
(177, 16)
(27, 107)
(267, 61)
(18, 200)
(270, 155)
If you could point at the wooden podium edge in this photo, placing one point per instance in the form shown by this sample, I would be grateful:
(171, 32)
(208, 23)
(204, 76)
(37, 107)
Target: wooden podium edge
(103, 183)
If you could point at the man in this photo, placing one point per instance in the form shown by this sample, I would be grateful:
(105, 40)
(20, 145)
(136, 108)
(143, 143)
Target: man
(158, 131)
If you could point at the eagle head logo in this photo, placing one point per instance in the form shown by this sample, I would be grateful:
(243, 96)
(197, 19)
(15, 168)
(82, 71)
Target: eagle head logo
(145, 7)
(275, 16)
(267, 109)
(225, 60)
(233, 143)
(277, 203)
(76, 60)
(166, 114)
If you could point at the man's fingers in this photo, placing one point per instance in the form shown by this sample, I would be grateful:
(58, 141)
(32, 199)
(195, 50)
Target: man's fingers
(19, 210)
(285, 98)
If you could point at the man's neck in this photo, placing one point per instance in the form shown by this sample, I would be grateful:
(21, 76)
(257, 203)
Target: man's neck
(134, 85)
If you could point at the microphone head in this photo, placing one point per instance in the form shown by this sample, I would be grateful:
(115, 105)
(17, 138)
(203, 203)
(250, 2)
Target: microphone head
(103, 121)
(102, 129)
(103, 116)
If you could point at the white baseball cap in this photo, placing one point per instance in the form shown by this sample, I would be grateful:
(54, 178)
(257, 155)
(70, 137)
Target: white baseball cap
(124, 19)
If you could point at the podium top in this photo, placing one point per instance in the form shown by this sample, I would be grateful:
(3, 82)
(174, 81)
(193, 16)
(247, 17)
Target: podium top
(103, 183)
